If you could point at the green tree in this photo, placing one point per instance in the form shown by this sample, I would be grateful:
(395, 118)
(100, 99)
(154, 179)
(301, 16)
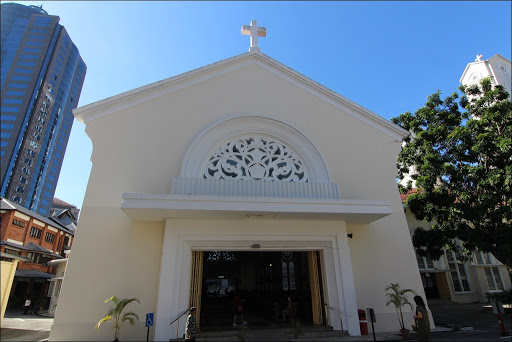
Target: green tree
(116, 315)
(461, 151)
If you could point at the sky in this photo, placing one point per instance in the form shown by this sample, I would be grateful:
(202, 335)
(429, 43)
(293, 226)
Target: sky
(387, 56)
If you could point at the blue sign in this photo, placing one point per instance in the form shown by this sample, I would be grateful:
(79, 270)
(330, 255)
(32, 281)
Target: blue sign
(149, 319)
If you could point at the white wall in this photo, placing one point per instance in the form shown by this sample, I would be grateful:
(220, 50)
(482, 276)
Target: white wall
(141, 148)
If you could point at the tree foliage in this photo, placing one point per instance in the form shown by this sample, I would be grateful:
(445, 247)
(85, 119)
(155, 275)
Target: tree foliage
(461, 151)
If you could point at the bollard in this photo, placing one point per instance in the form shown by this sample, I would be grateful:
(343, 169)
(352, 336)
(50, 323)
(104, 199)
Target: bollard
(497, 308)
(363, 323)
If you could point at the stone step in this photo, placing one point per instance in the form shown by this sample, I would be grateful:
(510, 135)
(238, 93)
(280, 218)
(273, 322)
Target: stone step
(268, 335)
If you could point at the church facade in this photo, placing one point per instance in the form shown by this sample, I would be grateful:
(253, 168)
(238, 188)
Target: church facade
(244, 160)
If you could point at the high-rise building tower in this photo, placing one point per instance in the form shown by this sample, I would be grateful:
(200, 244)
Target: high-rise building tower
(42, 75)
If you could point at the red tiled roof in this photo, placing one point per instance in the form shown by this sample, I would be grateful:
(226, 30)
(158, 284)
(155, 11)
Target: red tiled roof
(403, 197)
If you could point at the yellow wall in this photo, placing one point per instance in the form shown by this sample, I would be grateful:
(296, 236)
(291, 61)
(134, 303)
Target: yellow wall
(8, 270)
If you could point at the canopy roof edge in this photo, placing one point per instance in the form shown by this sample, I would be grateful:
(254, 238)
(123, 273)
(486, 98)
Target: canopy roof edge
(158, 207)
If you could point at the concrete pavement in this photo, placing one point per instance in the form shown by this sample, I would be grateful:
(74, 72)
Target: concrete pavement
(19, 327)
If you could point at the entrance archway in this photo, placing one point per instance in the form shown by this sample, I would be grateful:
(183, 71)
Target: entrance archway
(264, 280)
(185, 239)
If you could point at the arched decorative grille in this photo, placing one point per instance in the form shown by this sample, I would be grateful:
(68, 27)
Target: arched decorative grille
(255, 158)
(220, 256)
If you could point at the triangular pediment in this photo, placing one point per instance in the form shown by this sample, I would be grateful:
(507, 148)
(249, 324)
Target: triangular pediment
(154, 90)
(495, 58)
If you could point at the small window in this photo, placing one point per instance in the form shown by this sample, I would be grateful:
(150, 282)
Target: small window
(34, 258)
(35, 232)
(494, 279)
(12, 251)
(18, 223)
(49, 237)
(458, 271)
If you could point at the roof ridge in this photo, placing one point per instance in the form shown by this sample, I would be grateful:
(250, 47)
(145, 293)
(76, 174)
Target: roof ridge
(33, 214)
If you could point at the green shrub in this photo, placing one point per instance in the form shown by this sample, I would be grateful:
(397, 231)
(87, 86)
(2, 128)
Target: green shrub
(296, 328)
(505, 296)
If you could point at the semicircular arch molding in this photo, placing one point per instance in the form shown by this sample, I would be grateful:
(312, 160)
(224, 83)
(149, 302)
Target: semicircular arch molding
(244, 127)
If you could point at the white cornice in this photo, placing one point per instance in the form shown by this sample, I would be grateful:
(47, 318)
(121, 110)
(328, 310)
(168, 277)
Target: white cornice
(142, 94)
(158, 207)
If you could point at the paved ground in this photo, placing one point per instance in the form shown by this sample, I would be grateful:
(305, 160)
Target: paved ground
(477, 322)
(18, 327)
(456, 322)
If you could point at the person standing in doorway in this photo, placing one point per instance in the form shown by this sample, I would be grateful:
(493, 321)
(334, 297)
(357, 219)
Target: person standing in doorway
(238, 310)
(28, 302)
(291, 311)
(191, 326)
(421, 319)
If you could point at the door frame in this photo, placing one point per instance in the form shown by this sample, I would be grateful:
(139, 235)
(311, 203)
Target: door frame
(176, 265)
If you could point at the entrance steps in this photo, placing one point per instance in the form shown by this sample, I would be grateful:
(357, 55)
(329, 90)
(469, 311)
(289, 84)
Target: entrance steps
(284, 333)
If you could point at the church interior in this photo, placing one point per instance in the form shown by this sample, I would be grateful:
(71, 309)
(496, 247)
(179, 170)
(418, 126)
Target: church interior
(262, 280)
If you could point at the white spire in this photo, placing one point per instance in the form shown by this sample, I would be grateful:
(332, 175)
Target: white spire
(254, 31)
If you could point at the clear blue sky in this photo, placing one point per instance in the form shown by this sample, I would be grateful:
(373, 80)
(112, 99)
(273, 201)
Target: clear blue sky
(386, 56)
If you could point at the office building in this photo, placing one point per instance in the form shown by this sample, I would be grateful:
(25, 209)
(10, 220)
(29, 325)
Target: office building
(42, 75)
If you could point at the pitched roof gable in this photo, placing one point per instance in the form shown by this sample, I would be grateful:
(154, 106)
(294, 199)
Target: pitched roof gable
(57, 201)
(145, 93)
(8, 205)
(496, 56)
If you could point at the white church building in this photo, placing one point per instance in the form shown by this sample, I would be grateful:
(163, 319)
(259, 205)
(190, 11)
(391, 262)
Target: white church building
(242, 175)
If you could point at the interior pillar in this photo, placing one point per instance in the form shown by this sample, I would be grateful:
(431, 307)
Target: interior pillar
(314, 279)
(196, 282)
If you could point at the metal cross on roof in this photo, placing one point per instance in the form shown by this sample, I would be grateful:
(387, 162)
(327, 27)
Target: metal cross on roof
(254, 31)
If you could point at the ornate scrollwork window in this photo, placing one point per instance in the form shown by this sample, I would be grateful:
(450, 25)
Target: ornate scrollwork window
(255, 158)
(220, 256)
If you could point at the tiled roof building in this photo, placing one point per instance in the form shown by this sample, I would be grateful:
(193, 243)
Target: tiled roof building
(34, 240)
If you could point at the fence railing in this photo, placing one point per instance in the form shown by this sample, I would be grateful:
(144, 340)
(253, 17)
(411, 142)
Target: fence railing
(340, 313)
(177, 320)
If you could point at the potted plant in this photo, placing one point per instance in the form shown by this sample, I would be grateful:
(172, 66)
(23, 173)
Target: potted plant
(296, 328)
(116, 315)
(398, 297)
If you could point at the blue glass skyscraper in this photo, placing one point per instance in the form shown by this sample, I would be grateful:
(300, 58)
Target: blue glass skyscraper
(42, 75)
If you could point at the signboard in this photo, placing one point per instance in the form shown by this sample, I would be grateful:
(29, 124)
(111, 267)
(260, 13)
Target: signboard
(149, 319)
(370, 315)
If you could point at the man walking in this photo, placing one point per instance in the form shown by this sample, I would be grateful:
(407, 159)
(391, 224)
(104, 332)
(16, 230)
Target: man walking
(27, 305)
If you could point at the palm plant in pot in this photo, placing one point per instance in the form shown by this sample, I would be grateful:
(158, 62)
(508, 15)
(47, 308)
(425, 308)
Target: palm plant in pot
(398, 297)
(116, 315)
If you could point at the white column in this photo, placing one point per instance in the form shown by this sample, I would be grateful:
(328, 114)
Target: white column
(347, 297)
(167, 308)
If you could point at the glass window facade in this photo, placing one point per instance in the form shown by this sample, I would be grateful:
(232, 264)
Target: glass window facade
(42, 75)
